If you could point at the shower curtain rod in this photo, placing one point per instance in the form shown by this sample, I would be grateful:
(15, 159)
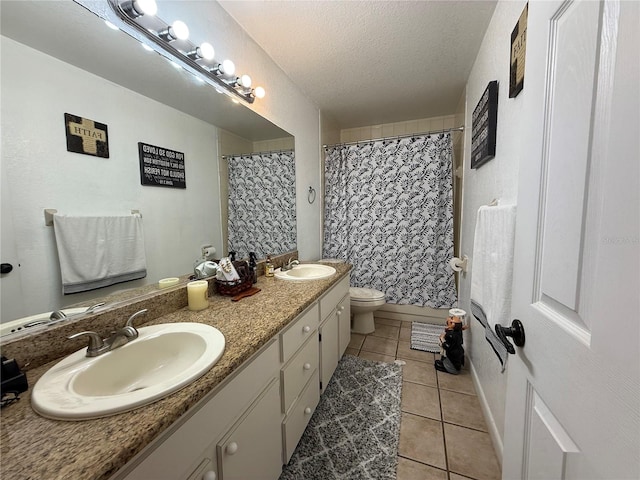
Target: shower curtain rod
(257, 153)
(397, 137)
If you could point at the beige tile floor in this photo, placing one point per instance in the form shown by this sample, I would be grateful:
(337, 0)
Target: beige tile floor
(443, 435)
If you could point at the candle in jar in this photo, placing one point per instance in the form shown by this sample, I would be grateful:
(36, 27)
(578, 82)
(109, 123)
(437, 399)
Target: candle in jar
(197, 295)
(168, 282)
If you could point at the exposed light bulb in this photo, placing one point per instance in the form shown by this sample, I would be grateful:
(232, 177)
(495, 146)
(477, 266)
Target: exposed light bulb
(259, 92)
(138, 8)
(228, 67)
(110, 25)
(147, 7)
(179, 30)
(206, 51)
(245, 81)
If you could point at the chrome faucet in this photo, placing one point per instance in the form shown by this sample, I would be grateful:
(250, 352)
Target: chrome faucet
(59, 316)
(98, 346)
(290, 264)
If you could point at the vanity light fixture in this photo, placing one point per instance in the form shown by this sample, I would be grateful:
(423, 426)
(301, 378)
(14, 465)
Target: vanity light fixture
(172, 42)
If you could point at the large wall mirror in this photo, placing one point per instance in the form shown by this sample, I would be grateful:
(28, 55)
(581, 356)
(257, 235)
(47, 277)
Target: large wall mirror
(57, 58)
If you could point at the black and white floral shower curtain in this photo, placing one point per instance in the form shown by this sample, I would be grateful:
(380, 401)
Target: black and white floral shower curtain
(262, 203)
(389, 212)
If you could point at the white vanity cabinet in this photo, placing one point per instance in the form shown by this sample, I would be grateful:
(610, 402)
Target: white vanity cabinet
(335, 328)
(299, 377)
(232, 434)
(251, 449)
(249, 426)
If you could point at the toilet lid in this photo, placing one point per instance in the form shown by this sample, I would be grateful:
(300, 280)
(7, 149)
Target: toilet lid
(365, 294)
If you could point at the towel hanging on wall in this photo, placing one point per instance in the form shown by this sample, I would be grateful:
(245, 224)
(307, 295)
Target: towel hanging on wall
(96, 252)
(492, 271)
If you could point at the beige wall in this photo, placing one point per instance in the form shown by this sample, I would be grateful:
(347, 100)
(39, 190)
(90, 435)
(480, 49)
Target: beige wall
(287, 143)
(398, 128)
(496, 179)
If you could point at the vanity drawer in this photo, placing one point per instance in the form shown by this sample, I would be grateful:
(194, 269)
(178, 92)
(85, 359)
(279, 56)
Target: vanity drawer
(298, 332)
(299, 416)
(295, 375)
(329, 301)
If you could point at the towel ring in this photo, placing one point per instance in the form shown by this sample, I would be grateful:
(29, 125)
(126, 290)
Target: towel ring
(311, 197)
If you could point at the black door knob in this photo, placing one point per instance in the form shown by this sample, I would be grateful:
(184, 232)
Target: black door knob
(515, 331)
(6, 268)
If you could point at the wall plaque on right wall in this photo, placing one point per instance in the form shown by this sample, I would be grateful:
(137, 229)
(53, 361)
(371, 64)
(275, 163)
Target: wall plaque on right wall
(483, 126)
(518, 50)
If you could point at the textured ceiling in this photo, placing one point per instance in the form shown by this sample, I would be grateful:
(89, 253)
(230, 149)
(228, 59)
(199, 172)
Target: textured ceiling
(362, 63)
(371, 62)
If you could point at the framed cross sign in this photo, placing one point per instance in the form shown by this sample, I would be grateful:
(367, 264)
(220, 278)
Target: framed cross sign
(86, 136)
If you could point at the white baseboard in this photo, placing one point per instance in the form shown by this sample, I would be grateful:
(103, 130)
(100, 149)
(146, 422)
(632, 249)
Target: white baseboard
(410, 313)
(496, 439)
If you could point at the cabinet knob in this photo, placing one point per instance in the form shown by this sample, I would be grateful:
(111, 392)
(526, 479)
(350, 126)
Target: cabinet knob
(232, 448)
(306, 329)
(342, 308)
(338, 313)
(210, 475)
(307, 410)
(307, 366)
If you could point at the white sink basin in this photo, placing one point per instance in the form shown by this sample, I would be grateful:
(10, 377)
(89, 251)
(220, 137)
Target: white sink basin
(306, 271)
(39, 320)
(163, 359)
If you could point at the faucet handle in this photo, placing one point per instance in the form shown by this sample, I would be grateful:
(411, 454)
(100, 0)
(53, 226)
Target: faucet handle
(93, 307)
(96, 343)
(130, 321)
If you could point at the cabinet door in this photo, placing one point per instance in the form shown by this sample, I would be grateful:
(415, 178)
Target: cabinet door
(328, 349)
(299, 416)
(252, 449)
(343, 310)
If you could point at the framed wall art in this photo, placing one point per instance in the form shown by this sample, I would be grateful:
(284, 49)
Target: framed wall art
(161, 167)
(484, 123)
(518, 50)
(86, 136)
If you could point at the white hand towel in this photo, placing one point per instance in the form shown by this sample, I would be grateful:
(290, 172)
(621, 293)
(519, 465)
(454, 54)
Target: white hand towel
(96, 252)
(492, 271)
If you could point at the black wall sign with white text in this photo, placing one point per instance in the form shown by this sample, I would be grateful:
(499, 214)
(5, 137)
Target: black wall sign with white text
(484, 123)
(161, 167)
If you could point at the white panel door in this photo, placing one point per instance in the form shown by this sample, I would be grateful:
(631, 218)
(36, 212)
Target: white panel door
(573, 394)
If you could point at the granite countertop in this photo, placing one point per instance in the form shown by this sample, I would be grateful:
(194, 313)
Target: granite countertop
(32, 446)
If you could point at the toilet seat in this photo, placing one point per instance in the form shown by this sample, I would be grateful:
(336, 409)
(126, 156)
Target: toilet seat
(364, 301)
(365, 295)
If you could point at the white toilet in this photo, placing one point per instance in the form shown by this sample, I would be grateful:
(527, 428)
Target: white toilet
(364, 301)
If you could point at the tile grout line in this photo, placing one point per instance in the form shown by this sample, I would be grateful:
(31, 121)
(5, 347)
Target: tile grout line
(444, 438)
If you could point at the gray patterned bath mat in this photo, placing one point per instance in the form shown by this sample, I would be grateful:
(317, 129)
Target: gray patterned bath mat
(353, 434)
(426, 336)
